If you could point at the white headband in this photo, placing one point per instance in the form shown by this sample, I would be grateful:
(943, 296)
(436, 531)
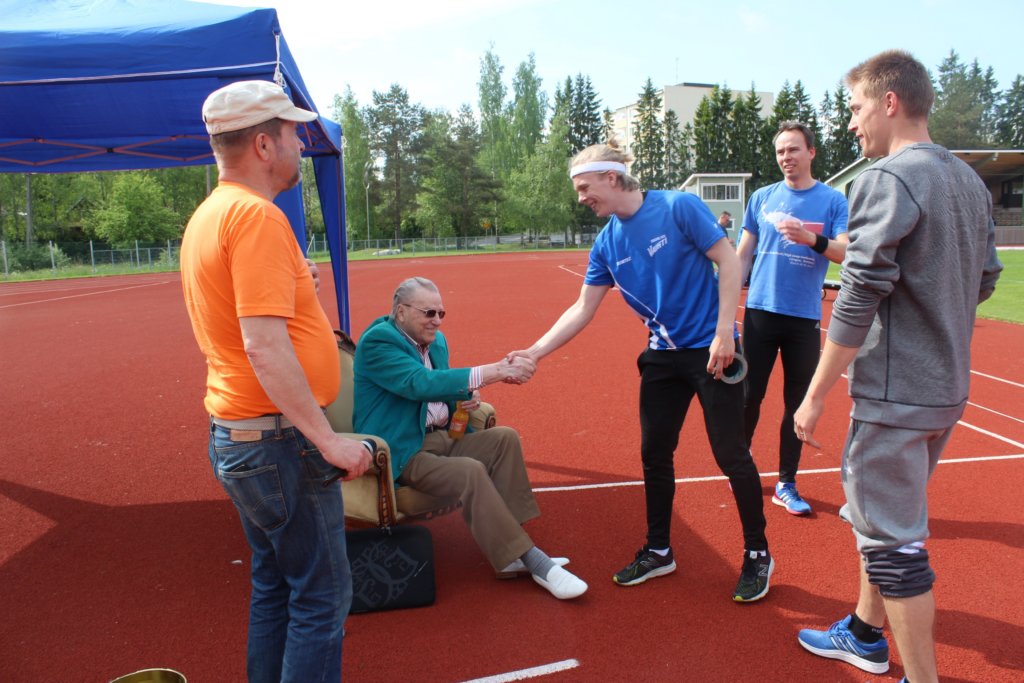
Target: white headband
(591, 166)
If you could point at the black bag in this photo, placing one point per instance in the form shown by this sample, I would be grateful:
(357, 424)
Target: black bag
(392, 568)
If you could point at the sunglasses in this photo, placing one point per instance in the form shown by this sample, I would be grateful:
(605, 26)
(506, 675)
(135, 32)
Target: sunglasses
(429, 312)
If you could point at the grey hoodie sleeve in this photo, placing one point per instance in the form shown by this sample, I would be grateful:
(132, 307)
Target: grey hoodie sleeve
(882, 213)
(992, 266)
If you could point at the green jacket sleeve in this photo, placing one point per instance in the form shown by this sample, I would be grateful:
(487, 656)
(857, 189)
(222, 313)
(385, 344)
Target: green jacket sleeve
(393, 364)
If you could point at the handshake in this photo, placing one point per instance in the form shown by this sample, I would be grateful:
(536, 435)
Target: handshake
(516, 368)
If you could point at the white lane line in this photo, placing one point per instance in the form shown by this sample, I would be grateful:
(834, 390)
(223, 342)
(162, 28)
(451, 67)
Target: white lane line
(824, 330)
(75, 296)
(998, 379)
(992, 434)
(534, 672)
(1008, 417)
(573, 272)
(770, 475)
(48, 286)
(21, 291)
(980, 407)
(1018, 456)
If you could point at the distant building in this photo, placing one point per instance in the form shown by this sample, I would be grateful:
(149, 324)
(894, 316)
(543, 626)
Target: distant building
(1002, 171)
(683, 99)
(721, 192)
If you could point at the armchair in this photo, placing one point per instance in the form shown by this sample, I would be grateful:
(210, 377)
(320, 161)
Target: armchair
(373, 498)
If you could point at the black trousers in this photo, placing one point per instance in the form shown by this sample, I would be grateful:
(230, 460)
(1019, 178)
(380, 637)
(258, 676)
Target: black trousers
(765, 336)
(668, 382)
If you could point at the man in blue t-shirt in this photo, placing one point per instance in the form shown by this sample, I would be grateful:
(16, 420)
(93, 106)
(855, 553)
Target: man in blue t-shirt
(660, 249)
(796, 226)
(725, 222)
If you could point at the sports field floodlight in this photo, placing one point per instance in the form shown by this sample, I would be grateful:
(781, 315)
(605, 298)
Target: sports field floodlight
(366, 182)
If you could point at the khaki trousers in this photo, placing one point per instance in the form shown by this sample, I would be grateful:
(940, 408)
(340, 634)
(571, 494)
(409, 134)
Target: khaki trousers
(485, 470)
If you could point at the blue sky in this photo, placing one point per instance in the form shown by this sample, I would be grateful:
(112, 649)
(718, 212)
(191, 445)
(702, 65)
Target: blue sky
(433, 49)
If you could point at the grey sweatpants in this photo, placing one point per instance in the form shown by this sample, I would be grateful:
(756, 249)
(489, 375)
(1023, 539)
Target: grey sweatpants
(885, 473)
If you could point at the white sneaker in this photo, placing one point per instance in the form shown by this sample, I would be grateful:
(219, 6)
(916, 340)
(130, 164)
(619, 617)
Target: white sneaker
(517, 568)
(562, 584)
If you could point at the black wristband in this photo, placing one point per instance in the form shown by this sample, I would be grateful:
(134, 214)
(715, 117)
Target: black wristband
(820, 244)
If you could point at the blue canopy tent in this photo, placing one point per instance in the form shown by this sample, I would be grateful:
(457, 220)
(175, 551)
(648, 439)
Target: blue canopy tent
(104, 85)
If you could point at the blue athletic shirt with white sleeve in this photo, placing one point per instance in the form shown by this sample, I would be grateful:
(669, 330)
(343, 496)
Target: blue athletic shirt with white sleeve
(787, 277)
(657, 259)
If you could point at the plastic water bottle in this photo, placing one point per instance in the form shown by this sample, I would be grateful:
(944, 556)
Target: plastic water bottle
(457, 427)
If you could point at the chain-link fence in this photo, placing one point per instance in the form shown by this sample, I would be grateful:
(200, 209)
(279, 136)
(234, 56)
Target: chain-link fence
(85, 258)
(450, 245)
(50, 259)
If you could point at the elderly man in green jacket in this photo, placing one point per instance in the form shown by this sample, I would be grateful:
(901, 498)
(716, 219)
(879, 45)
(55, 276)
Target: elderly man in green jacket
(406, 392)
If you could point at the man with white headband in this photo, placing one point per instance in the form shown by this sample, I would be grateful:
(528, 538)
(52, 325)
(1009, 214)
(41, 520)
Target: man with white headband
(660, 248)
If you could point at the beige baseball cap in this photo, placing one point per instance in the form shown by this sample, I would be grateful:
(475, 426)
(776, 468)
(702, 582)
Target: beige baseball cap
(247, 103)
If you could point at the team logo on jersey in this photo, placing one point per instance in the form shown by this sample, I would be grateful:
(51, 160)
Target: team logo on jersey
(656, 244)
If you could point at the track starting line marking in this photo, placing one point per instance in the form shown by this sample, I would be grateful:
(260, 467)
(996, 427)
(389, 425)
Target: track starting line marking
(533, 672)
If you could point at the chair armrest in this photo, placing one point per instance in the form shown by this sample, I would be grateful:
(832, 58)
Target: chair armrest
(484, 417)
(371, 497)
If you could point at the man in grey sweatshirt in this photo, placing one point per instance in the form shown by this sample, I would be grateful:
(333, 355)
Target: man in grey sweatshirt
(921, 258)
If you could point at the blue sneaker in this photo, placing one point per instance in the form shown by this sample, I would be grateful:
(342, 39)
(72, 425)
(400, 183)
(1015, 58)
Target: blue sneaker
(838, 643)
(788, 497)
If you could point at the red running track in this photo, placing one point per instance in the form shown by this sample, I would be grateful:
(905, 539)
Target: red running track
(119, 550)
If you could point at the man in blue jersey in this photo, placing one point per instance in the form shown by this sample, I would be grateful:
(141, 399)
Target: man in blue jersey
(725, 222)
(797, 226)
(660, 248)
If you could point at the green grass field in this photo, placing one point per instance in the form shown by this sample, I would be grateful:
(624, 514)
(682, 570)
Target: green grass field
(1008, 301)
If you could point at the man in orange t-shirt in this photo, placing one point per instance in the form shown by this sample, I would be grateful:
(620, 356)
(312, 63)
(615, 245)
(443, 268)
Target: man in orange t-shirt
(272, 366)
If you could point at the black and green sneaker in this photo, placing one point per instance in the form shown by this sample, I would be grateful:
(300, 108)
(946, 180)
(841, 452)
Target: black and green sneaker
(647, 565)
(757, 570)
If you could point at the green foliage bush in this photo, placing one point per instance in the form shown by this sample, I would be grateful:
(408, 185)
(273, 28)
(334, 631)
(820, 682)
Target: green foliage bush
(36, 257)
(136, 211)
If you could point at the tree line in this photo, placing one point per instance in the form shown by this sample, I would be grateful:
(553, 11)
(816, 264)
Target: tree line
(501, 167)
(506, 171)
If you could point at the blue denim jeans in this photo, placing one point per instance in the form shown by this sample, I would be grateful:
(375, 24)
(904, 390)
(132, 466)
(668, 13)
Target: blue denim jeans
(301, 582)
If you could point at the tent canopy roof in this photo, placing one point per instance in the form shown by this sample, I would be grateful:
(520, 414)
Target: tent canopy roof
(90, 85)
(107, 85)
